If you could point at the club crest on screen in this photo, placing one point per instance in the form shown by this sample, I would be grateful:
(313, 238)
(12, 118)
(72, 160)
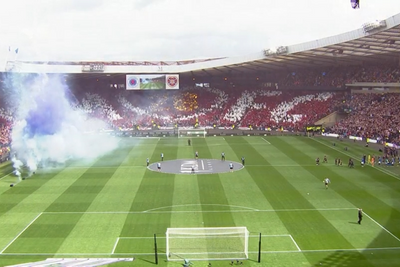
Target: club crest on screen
(172, 81)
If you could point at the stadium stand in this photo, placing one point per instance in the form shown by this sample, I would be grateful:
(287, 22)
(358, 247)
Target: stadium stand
(372, 116)
(258, 108)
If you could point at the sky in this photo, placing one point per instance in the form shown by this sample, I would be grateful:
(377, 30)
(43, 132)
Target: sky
(171, 30)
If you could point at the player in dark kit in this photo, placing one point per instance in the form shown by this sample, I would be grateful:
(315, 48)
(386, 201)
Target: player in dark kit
(317, 161)
(189, 142)
(363, 160)
(325, 159)
(243, 160)
(351, 163)
(360, 215)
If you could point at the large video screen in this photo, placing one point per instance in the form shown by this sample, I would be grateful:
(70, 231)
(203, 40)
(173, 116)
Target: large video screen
(152, 81)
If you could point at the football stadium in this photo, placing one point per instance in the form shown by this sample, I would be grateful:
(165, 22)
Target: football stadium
(288, 157)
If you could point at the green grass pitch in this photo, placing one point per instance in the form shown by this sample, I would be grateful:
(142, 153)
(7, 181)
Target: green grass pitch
(152, 85)
(113, 207)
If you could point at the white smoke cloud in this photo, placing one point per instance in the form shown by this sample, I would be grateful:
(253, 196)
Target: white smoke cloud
(48, 130)
(17, 165)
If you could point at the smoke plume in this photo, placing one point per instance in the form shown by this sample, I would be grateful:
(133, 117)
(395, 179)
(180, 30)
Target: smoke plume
(48, 130)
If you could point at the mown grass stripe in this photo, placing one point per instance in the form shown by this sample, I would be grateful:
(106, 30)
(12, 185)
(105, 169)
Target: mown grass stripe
(74, 198)
(282, 194)
(212, 191)
(15, 195)
(246, 204)
(347, 190)
(155, 191)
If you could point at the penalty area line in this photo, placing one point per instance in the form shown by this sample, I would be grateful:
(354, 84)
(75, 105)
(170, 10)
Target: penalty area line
(295, 243)
(250, 252)
(115, 246)
(383, 228)
(20, 233)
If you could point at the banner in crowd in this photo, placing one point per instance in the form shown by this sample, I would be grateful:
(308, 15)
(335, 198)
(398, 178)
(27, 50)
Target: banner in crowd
(358, 138)
(391, 145)
(314, 128)
(330, 134)
(355, 138)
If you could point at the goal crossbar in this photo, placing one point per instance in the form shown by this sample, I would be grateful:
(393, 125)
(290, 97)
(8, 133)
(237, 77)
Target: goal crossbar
(207, 243)
(190, 133)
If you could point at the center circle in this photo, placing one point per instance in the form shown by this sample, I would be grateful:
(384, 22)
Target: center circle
(195, 166)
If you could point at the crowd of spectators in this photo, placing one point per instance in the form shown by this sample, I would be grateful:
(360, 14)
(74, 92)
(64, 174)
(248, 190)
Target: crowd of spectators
(98, 107)
(5, 138)
(371, 115)
(338, 76)
(5, 132)
(208, 107)
(374, 116)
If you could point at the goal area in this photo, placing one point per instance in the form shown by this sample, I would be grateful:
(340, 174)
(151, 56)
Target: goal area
(207, 243)
(191, 133)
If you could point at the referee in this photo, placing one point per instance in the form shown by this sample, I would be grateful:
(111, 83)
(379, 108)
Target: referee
(360, 215)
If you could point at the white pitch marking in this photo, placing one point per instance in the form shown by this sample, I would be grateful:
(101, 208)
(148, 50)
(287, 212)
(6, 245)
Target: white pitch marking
(20, 233)
(265, 140)
(198, 171)
(252, 144)
(187, 205)
(295, 243)
(202, 164)
(390, 233)
(141, 166)
(268, 165)
(251, 252)
(326, 250)
(115, 246)
(193, 211)
(163, 237)
(6, 175)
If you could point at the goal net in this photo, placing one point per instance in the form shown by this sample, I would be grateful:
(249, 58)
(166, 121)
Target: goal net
(191, 133)
(207, 243)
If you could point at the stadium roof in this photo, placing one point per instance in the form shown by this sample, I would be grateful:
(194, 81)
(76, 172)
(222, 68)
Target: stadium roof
(375, 42)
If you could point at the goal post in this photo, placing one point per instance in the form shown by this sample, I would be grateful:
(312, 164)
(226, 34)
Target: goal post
(207, 243)
(191, 133)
